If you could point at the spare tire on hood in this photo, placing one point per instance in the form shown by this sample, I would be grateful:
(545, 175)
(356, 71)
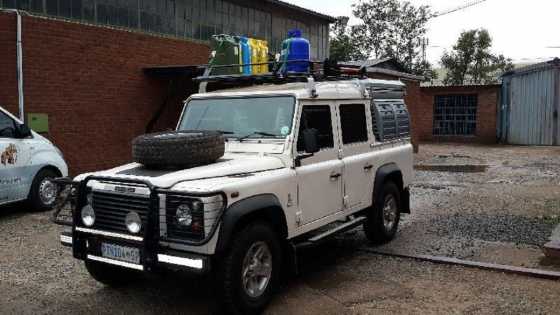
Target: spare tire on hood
(178, 149)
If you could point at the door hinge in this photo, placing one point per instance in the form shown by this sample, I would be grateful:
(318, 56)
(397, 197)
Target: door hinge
(345, 201)
(298, 218)
(290, 201)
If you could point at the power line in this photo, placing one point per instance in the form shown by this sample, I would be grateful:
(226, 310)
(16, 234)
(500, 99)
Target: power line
(464, 6)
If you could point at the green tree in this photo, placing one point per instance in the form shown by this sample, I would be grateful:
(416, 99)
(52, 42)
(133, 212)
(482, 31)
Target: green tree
(471, 60)
(343, 47)
(392, 29)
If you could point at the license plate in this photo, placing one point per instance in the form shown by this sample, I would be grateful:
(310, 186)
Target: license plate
(122, 253)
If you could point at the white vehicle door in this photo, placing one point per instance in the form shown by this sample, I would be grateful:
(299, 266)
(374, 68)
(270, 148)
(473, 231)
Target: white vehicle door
(319, 176)
(14, 159)
(357, 154)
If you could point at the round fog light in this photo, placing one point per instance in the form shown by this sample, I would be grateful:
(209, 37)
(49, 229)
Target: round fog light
(133, 222)
(88, 216)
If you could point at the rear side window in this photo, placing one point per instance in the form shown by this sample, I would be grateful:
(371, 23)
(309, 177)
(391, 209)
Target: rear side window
(353, 123)
(317, 117)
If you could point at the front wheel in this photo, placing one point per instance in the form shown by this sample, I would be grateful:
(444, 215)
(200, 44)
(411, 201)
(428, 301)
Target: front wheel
(43, 193)
(250, 270)
(383, 217)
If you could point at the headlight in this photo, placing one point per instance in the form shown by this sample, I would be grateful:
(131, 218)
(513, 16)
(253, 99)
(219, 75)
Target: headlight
(191, 217)
(133, 222)
(88, 215)
(184, 215)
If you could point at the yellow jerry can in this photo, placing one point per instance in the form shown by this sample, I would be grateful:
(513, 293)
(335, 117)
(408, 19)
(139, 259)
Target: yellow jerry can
(255, 47)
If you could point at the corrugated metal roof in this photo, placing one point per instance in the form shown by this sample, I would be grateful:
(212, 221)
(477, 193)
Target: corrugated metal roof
(367, 63)
(534, 67)
(304, 10)
(377, 66)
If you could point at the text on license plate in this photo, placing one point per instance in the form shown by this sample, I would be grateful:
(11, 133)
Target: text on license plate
(122, 253)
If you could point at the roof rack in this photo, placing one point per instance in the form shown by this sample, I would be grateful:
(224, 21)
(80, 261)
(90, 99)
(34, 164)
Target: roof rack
(319, 71)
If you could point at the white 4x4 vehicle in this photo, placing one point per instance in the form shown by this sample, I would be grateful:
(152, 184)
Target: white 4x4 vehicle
(302, 162)
(28, 163)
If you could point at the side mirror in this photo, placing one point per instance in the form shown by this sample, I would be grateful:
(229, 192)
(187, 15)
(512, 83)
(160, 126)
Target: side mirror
(310, 140)
(23, 131)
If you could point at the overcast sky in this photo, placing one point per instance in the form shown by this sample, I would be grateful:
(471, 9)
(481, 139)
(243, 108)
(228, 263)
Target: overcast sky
(522, 30)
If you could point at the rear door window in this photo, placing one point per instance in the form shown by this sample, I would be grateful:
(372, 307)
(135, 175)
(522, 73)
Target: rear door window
(353, 123)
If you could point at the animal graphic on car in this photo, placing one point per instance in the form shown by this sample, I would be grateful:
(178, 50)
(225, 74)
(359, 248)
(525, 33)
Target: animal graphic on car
(9, 156)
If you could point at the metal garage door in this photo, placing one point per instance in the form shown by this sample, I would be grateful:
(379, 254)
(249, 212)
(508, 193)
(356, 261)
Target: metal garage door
(533, 108)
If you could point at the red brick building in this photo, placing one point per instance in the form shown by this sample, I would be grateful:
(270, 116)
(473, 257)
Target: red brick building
(456, 113)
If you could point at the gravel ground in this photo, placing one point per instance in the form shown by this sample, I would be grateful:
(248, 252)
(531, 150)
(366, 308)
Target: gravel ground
(502, 216)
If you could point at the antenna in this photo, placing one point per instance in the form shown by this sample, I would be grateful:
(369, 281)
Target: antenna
(466, 5)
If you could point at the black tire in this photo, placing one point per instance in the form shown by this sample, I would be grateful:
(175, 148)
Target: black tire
(36, 203)
(375, 228)
(229, 284)
(176, 150)
(109, 275)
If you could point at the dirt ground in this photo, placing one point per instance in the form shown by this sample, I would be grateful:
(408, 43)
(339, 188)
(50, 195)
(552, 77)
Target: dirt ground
(502, 215)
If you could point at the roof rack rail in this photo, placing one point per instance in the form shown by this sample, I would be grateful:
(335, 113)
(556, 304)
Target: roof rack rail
(319, 71)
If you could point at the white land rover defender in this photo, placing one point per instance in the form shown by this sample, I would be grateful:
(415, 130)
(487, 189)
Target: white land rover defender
(250, 174)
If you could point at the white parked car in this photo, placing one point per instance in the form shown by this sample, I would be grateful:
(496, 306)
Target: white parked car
(28, 163)
(302, 162)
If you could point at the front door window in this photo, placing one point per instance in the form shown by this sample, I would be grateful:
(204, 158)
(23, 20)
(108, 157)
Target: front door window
(7, 126)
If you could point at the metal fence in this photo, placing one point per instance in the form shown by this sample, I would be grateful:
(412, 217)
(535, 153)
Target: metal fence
(188, 19)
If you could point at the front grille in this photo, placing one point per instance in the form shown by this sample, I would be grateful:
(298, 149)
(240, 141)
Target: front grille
(112, 208)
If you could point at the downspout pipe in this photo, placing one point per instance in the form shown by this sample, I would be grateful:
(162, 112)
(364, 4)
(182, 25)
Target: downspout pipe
(19, 50)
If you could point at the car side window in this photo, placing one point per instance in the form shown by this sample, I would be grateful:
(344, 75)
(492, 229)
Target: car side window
(316, 117)
(353, 123)
(7, 126)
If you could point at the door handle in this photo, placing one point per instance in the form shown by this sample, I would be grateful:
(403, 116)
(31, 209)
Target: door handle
(335, 176)
(368, 167)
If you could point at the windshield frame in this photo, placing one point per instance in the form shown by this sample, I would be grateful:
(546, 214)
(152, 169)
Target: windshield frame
(244, 96)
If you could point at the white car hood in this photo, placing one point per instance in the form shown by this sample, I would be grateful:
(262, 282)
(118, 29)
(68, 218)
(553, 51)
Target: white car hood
(228, 165)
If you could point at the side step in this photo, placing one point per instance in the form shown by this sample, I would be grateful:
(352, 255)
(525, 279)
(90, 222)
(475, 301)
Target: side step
(339, 229)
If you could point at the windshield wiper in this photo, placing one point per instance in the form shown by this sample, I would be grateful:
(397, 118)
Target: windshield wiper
(256, 133)
(226, 132)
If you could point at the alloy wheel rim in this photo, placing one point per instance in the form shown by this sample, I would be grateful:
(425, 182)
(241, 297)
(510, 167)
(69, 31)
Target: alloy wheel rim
(389, 212)
(47, 192)
(257, 269)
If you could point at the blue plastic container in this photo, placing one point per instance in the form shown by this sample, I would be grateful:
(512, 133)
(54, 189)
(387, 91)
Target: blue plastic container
(296, 48)
(245, 54)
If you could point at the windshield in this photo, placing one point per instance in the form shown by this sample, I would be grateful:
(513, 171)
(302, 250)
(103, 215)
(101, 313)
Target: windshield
(242, 118)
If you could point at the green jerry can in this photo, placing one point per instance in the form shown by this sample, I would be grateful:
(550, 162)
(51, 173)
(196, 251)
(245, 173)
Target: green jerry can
(225, 51)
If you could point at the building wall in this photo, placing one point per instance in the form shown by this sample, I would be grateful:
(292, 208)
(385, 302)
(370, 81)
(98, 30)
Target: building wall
(89, 80)
(529, 115)
(422, 111)
(190, 19)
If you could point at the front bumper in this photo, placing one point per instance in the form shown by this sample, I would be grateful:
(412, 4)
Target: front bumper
(170, 253)
(85, 244)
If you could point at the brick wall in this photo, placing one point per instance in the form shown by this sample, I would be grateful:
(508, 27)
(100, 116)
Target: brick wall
(89, 80)
(422, 111)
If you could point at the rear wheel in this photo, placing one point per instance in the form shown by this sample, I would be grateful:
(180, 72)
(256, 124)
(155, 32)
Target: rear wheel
(384, 216)
(109, 275)
(42, 195)
(249, 272)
